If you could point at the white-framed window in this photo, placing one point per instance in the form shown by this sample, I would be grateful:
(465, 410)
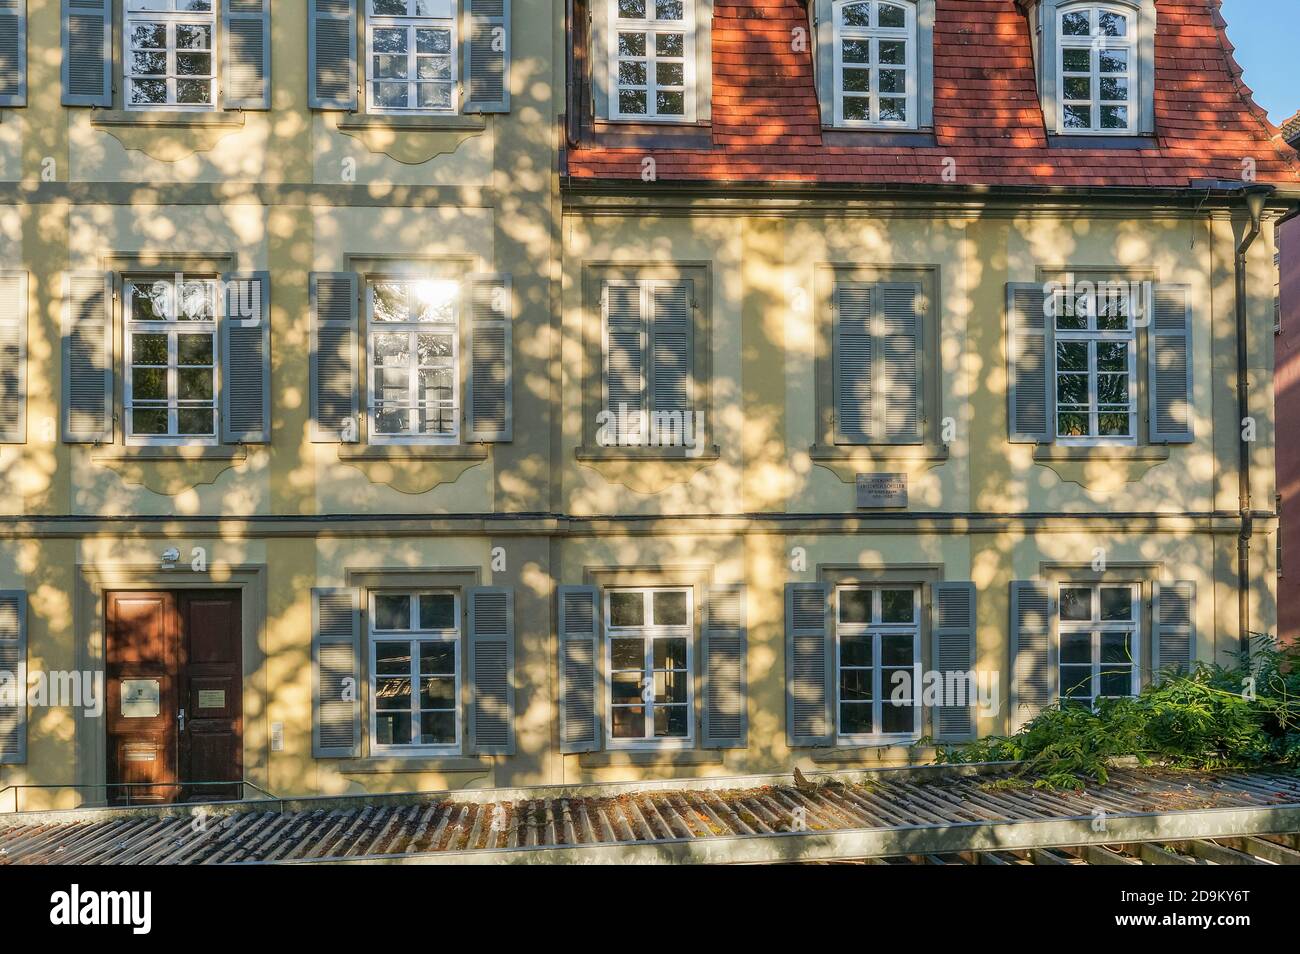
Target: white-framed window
(875, 63)
(877, 662)
(170, 349)
(414, 650)
(413, 360)
(1100, 641)
(411, 56)
(652, 60)
(168, 53)
(649, 647)
(1097, 76)
(1095, 365)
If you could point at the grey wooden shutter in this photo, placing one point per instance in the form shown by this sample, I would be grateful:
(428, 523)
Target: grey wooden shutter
(579, 623)
(335, 673)
(492, 670)
(1169, 356)
(954, 658)
(13, 357)
(332, 54)
(809, 665)
(672, 349)
(1031, 390)
(247, 77)
(726, 719)
(87, 52)
(490, 403)
(246, 359)
(852, 360)
(487, 57)
(13, 52)
(334, 379)
(1174, 615)
(87, 358)
(1033, 658)
(625, 346)
(898, 347)
(13, 663)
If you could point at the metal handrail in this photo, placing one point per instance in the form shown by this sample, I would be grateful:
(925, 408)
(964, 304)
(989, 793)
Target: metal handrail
(17, 790)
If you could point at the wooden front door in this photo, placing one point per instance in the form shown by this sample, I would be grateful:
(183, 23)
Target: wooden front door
(175, 705)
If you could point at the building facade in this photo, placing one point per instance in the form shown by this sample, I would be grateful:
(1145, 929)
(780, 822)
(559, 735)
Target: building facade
(490, 394)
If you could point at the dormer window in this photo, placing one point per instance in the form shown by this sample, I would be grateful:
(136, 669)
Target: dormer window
(652, 60)
(1095, 61)
(875, 63)
(1097, 58)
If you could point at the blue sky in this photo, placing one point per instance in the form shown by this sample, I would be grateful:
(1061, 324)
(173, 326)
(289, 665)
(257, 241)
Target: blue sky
(1264, 33)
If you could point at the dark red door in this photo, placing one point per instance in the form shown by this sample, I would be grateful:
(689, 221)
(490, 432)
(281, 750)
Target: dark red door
(211, 721)
(175, 713)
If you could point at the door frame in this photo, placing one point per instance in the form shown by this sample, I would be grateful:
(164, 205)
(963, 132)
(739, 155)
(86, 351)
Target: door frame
(94, 580)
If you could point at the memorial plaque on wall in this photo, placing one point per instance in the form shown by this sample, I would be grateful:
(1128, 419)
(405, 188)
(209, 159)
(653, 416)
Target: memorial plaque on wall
(882, 491)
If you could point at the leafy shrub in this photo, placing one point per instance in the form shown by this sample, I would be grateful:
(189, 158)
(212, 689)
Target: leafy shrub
(1244, 715)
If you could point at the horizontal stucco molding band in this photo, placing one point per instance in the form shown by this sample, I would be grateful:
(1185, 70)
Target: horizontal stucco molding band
(545, 525)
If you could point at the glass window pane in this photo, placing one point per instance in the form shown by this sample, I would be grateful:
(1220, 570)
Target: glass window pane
(897, 719)
(626, 608)
(896, 650)
(893, 52)
(1112, 356)
(1117, 682)
(670, 653)
(626, 687)
(670, 44)
(1116, 602)
(194, 349)
(1076, 647)
(670, 687)
(1076, 23)
(632, 73)
(897, 606)
(892, 17)
(1112, 389)
(632, 9)
(1112, 24)
(627, 654)
(1113, 61)
(194, 384)
(856, 51)
(392, 658)
(669, 10)
(857, 109)
(632, 102)
(855, 685)
(393, 728)
(856, 719)
(437, 657)
(855, 606)
(148, 421)
(1072, 389)
(893, 110)
(433, 41)
(437, 728)
(149, 384)
(671, 722)
(857, 14)
(631, 44)
(194, 421)
(392, 611)
(393, 693)
(670, 104)
(437, 611)
(1072, 425)
(1076, 603)
(893, 81)
(149, 349)
(438, 692)
(1078, 87)
(1114, 117)
(1076, 682)
(670, 608)
(1076, 61)
(856, 650)
(670, 74)
(1116, 648)
(628, 722)
(857, 81)
(1078, 117)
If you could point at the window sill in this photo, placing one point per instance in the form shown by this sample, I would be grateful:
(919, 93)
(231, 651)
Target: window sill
(632, 134)
(642, 757)
(365, 121)
(713, 452)
(885, 751)
(398, 765)
(179, 119)
(853, 136)
(1052, 452)
(871, 453)
(234, 452)
(413, 452)
(1102, 141)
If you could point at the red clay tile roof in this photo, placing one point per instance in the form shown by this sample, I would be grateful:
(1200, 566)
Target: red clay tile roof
(987, 117)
